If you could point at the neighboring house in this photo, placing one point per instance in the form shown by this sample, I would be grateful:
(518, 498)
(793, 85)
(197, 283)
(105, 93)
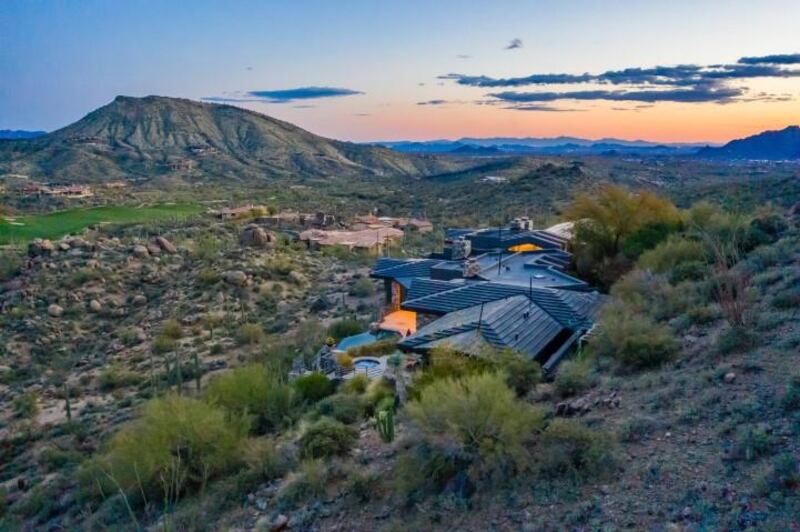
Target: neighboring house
(58, 191)
(237, 212)
(373, 222)
(373, 240)
(521, 300)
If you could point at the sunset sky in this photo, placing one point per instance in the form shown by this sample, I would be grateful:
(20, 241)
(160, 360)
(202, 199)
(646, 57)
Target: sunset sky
(390, 70)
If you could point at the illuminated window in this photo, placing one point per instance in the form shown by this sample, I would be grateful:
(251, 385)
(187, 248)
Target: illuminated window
(524, 247)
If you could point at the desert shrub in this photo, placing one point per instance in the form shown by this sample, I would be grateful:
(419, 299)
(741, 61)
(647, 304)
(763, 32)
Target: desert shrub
(788, 298)
(363, 484)
(783, 475)
(345, 327)
(375, 349)
(568, 448)
(363, 287)
(479, 420)
(256, 393)
(177, 441)
(115, 377)
(522, 373)
(574, 376)
(633, 339)
(751, 443)
(791, 397)
(26, 405)
(607, 219)
(648, 237)
(734, 339)
(164, 344)
(208, 276)
(250, 334)
(674, 252)
(378, 392)
(703, 314)
(689, 271)
(10, 264)
(313, 387)
(638, 428)
(443, 362)
(326, 437)
(267, 458)
(309, 481)
(357, 385)
(172, 329)
(346, 408)
(207, 247)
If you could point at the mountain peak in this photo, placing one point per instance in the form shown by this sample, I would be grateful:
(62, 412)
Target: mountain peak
(154, 136)
(777, 145)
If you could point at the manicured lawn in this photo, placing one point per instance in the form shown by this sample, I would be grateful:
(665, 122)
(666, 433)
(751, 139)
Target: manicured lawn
(57, 224)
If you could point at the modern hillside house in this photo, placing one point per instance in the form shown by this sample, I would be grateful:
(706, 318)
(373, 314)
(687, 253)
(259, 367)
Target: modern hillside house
(501, 288)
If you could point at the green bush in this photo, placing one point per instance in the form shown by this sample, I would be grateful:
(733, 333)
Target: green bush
(788, 298)
(570, 449)
(343, 328)
(632, 338)
(10, 264)
(674, 252)
(327, 437)
(751, 443)
(250, 334)
(177, 445)
(356, 385)
(573, 376)
(172, 329)
(346, 408)
(362, 288)
(309, 481)
(480, 419)
(313, 387)
(375, 349)
(522, 373)
(257, 393)
(26, 405)
(115, 377)
(734, 339)
(164, 344)
(265, 457)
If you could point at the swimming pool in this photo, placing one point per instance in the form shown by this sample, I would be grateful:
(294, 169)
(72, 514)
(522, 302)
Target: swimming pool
(356, 341)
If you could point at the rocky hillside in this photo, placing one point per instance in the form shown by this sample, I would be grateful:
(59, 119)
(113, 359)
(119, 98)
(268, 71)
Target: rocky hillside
(151, 137)
(783, 145)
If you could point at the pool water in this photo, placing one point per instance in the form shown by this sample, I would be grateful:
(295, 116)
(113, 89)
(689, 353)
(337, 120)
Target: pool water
(356, 341)
(366, 363)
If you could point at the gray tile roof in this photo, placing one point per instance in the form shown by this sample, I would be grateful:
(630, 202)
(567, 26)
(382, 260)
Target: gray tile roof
(571, 309)
(512, 322)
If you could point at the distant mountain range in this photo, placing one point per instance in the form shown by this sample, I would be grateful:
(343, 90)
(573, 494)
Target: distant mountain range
(20, 134)
(494, 146)
(159, 137)
(782, 145)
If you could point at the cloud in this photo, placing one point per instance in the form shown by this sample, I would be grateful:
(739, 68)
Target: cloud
(302, 93)
(514, 44)
(282, 96)
(679, 83)
(463, 56)
(690, 95)
(542, 108)
(777, 59)
(433, 102)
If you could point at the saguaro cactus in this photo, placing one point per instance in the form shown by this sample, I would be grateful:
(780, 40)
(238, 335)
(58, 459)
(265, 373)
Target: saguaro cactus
(384, 421)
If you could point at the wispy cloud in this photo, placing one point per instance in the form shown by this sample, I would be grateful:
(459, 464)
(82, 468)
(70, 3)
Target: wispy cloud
(680, 83)
(284, 95)
(777, 59)
(433, 102)
(514, 44)
(463, 56)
